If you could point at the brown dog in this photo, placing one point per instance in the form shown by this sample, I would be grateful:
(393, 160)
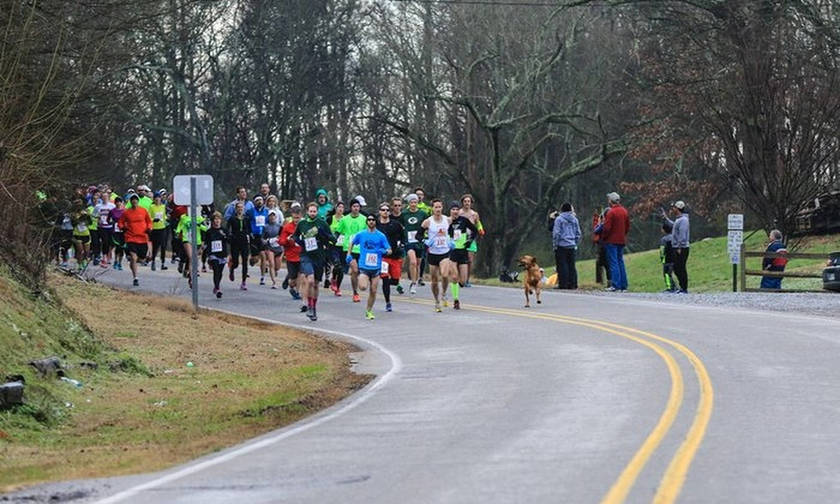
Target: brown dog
(532, 282)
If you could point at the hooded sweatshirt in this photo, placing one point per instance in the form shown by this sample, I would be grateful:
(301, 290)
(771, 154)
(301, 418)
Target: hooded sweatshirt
(566, 232)
(324, 209)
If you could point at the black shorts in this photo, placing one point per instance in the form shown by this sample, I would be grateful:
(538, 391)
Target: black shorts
(371, 273)
(459, 256)
(140, 249)
(310, 266)
(81, 239)
(118, 239)
(293, 267)
(435, 259)
(256, 245)
(418, 249)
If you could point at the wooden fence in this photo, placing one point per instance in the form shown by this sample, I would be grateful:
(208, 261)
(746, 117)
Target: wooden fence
(778, 274)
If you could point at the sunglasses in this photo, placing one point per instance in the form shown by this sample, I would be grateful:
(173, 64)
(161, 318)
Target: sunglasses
(371, 219)
(384, 209)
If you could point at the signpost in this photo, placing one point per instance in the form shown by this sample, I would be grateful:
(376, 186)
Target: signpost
(193, 190)
(735, 238)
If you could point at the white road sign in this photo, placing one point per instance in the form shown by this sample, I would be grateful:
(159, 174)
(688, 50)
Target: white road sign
(203, 189)
(736, 222)
(733, 246)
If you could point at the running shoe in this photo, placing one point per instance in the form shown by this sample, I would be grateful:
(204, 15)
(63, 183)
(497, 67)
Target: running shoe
(163, 267)
(356, 298)
(203, 268)
(369, 315)
(154, 268)
(388, 307)
(304, 309)
(96, 261)
(445, 303)
(610, 289)
(456, 304)
(337, 292)
(421, 282)
(311, 314)
(437, 307)
(295, 294)
(218, 294)
(180, 267)
(136, 283)
(467, 284)
(103, 264)
(412, 289)
(400, 289)
(326, 283)
(262, 280)
(243, 287)
(273, 285)
(285, 283)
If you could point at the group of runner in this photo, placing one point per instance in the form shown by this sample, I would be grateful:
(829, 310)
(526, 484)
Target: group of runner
(320, 242)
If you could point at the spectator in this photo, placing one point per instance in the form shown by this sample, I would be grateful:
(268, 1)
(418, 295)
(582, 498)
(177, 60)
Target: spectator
(614, 235)
(680, 242)
(666, 256)
(566, 236)
(774, 264)
(601, 264)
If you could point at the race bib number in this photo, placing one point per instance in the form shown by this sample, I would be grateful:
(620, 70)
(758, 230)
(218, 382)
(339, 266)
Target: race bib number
(340, 241)
(310, 244)
(260, 220)
(371, 259)
(441, 242)
(117, 228)
(384, 268)
(274, 242)
(103, 219)
(412, 237)
(159, 215)
(216, 246)
(81, 227)
(457, 234)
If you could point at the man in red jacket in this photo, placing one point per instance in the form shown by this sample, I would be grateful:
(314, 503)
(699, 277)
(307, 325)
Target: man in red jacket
(614, 236)
(136, 224)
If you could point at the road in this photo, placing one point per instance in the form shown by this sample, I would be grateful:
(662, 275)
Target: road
(580, 399)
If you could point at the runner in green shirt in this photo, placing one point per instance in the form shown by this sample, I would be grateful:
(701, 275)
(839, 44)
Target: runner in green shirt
(412, 220)
(348, 226)
(157, 211)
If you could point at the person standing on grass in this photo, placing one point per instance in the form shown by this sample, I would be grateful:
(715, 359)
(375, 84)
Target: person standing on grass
(776, 246)
(680, 241)
(136, 224)
(602, 266)
(566, 237)
(614, 235)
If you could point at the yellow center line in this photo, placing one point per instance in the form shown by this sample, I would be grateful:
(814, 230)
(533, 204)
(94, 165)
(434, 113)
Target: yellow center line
(619, 490)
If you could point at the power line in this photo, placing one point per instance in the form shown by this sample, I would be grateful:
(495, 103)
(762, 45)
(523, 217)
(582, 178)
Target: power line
(506, 3)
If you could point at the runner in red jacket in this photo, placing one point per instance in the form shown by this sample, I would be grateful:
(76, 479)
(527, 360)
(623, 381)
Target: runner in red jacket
(136, 224)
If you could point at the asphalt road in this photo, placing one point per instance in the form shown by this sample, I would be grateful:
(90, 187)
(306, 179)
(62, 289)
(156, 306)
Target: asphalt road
(580, 399)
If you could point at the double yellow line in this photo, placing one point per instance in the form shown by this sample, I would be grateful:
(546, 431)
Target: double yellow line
(675, 474)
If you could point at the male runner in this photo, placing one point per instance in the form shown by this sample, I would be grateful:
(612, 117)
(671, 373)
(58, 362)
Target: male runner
(412, 220)
(372, 245)
(391, 269)
(468, 212)
(462, 232)
(314, 237)
(136, 225)
(259, 217)
(436, 228)
(348, 226)
(292, 252)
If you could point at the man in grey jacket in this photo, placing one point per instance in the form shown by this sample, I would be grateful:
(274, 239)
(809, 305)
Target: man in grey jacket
(680, 238)
(565, 236)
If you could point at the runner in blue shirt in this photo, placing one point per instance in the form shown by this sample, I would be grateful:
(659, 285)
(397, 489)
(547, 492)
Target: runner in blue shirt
(259, 218)
(373, 245)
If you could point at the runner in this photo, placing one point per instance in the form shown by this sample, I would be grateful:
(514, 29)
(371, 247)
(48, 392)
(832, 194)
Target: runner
(292, 252)
(241, 197)
(392, 262)
(81, 234)
(175, 213)
(437, 227)
(349, 226)
(396, 215)
(259, 216)
(159, 224)
(239, 232)
(95, 244)
(422, 205)
(412, 219)
(117, 236)
(271, 205)
(272, 250)
(136, 225)
(323, 201)
(372, 245)
(207, 212)
(468, 212)
(106, 228)
(185, 230)
(463, 233)
(336, 258)
(314, 236)
(217, 243)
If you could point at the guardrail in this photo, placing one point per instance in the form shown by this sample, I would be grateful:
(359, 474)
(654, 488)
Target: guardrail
(778, 274)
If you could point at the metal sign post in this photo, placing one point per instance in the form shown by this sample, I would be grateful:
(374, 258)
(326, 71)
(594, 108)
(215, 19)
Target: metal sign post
(193, 190)
(734, 241)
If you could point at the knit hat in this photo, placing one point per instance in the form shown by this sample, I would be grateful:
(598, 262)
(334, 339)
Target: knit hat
(613, 197)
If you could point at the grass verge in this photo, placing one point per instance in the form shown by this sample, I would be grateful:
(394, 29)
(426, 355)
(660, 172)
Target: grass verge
(144, 408)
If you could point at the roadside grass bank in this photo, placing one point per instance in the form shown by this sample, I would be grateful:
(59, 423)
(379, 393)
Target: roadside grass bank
(166, 388)
(709, 269)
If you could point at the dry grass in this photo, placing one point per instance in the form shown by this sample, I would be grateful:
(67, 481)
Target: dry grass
(248, 377)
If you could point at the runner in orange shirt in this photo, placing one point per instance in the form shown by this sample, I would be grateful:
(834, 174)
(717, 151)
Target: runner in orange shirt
(136, 224)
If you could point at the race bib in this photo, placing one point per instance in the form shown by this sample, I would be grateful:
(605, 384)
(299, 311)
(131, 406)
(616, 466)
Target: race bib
(310, 244)
(441, 242)
(117, 228)
(81, 227)
(340, 241)
(216, 246)
(103, 219)
(384, 268)
(260, 220)
(412, 237)
(371, 259)
(457, 234)
(274, 242)
(159, 216)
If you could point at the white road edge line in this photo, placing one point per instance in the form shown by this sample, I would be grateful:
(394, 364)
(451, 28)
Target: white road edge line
(359, 398)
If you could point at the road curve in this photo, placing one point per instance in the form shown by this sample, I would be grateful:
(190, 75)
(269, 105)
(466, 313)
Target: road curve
(580, 399)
